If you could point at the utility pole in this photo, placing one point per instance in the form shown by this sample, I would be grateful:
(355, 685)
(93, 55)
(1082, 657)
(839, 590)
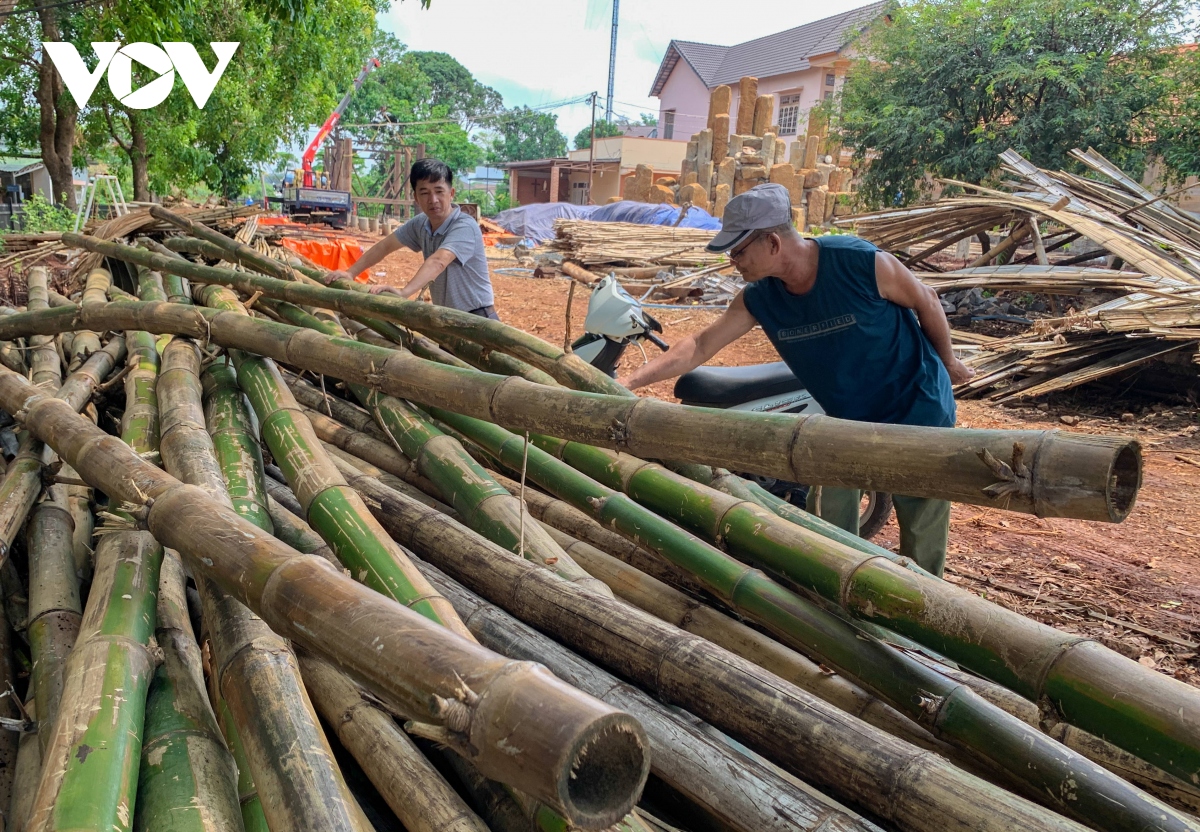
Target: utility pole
(612, 61)
(592, 150)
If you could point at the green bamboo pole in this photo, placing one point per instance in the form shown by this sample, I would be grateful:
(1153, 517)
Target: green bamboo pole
(28, 772)
(298, 782)
(1046, 473)
(186, 771)
(485, 505)
(797, 730)
(408, 661)
(330, 506)
(1079, 674)
(953, 711)
(90, 764)
(10, 741)
(187, 781)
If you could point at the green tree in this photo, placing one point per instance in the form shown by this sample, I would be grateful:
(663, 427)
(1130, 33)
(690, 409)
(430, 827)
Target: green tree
(1177, 119)
(522, 134)
(952, 83)
(451, 84)
(405, 105)
(583, 139)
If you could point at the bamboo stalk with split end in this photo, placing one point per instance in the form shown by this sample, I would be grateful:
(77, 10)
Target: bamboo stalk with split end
(412, 787)
(402, 657)
(485, 505)
(735, 791)
(856, 762)
(187, 781)
(297, 780)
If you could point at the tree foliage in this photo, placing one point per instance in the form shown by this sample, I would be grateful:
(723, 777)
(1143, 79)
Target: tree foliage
(522, 134)
(583, 139)
(952, 83)
(407, 105)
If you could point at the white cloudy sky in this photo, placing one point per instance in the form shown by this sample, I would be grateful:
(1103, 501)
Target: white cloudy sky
(537, 52)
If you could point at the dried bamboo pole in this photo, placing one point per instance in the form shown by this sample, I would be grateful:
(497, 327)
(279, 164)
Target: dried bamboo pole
(778, 719)
(23, 480)
(735, 791)
(412, 787)
(1042, 472)
(402, 657)
(10, 740)
(187, 781)
(298, 782)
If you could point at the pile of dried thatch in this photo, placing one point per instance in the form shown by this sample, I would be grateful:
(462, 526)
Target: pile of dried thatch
(628, 244)
(1152, 253)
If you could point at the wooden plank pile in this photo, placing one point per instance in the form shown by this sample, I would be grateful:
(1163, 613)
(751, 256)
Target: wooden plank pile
(729, 158)
(440, 535)
(1049, 223)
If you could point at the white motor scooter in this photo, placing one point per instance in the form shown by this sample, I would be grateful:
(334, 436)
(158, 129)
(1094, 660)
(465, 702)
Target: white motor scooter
(616, 320)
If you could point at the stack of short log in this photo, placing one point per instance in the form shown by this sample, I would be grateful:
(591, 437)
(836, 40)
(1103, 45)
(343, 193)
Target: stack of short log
(729, 158)
(389, 509)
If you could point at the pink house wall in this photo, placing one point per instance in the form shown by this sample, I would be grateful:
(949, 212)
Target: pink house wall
(685, 93)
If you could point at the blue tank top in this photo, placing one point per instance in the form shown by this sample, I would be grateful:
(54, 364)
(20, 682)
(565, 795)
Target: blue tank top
(861, 356)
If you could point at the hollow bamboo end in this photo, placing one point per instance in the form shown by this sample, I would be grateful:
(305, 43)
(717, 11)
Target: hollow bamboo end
(590, 766)
(1124, 481)
(607, 771)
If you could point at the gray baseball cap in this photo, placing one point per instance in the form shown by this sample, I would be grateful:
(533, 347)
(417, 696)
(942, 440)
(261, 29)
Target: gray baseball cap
(763, 206)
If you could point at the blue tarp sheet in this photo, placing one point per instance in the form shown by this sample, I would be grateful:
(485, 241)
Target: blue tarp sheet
(536, 222)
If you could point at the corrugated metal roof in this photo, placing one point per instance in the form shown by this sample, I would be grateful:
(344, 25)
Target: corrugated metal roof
(18, 164)
(776, 54)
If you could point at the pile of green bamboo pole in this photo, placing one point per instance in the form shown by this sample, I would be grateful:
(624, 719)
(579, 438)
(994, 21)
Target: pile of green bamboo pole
(329, 560)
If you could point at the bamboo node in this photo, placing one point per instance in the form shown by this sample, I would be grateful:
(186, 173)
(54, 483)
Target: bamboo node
(619, 433)
(1015, 479)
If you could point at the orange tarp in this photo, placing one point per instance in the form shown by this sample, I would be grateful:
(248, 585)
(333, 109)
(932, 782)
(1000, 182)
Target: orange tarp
(334, 253)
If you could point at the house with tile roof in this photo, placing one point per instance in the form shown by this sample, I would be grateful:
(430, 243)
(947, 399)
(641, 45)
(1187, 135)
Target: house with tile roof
(800, 66)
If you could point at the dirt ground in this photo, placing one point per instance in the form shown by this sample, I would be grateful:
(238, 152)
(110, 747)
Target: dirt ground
(1134, 586)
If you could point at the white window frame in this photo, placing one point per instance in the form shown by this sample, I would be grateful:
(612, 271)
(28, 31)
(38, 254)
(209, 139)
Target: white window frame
(668, 124)
(786, 102)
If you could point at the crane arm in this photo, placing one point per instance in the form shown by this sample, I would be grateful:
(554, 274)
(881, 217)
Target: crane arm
(310, 152)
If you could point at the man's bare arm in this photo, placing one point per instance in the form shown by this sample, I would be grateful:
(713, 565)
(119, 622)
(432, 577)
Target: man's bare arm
(693, 350)
(434, 265)
(899, 285)
(367, 259)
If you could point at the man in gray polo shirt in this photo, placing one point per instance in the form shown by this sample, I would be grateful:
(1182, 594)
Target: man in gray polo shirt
(455, 267)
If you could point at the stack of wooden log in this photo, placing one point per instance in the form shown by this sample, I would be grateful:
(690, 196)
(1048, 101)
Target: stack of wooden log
(427, 547)
(728, 158)
(1033, 238)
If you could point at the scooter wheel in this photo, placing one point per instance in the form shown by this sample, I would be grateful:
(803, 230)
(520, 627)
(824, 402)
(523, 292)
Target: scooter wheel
(876, 509)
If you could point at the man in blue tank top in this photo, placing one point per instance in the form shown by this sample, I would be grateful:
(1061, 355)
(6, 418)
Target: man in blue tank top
(864, 335)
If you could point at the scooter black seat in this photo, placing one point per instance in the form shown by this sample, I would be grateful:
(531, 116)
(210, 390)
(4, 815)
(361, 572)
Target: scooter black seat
(726, 386)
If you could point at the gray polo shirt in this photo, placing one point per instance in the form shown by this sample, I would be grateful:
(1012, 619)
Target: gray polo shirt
(465, 283)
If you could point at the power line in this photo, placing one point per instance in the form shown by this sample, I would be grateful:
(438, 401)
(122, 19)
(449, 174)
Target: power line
(4, 15)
